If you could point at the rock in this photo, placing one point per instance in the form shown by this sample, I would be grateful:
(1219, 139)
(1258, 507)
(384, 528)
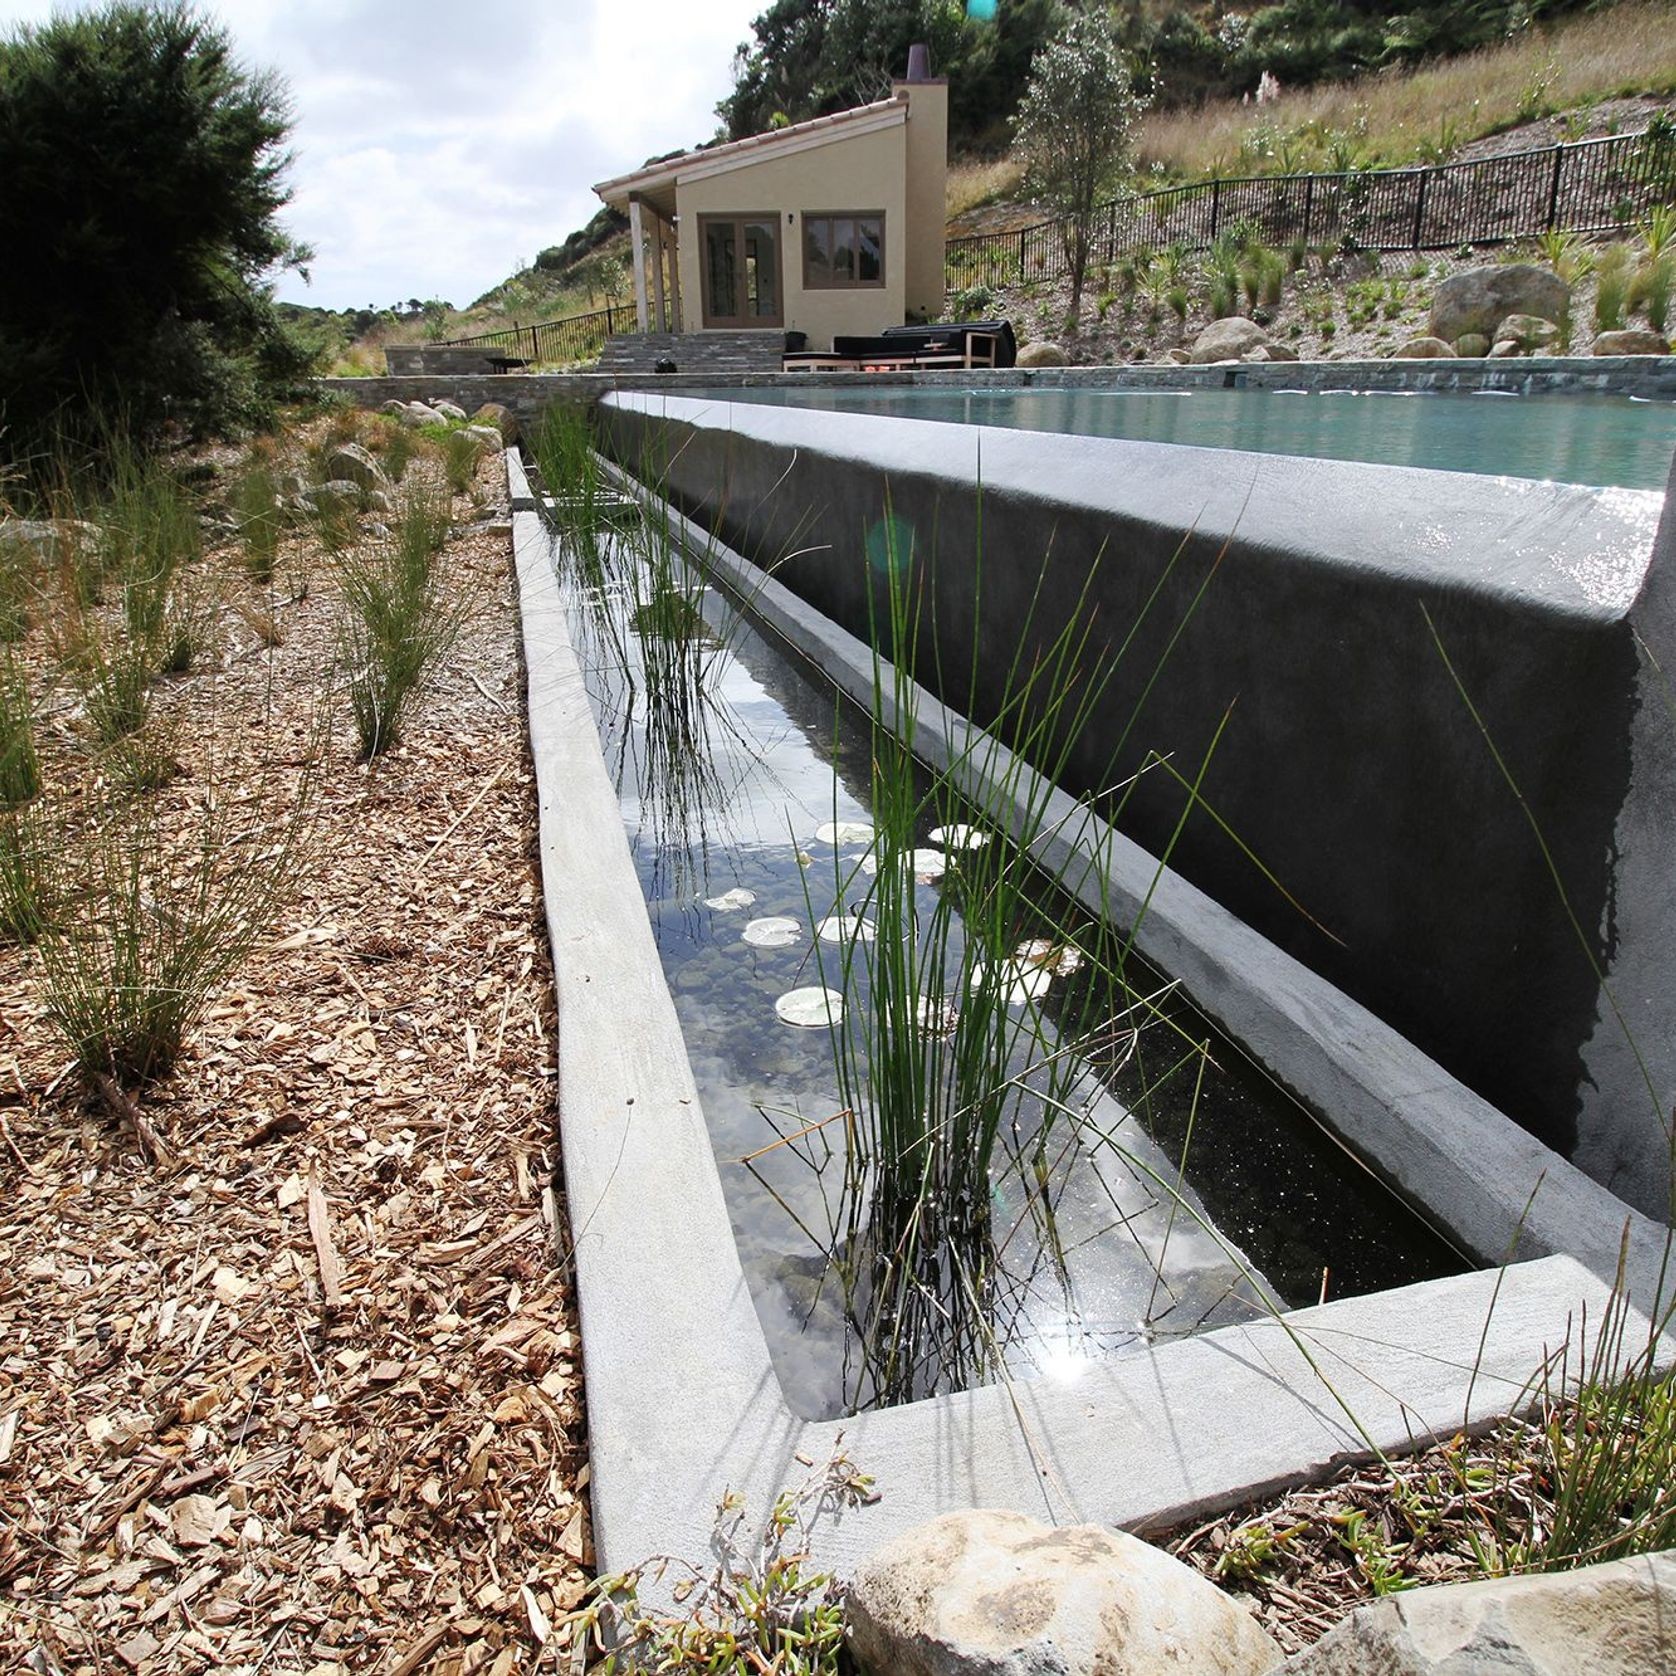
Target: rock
(1530, 331)
(47, 538)
(393, 407)
(1609, 1620)
(449, 410)
(1473, 345)
(502, 418)
(1504, 348)
(488, 436)
(415, 414)
(1282, 352)
(378, 500)
(1635, 341)
(1042, 355)
(1423, 349)
(1177, 357)
(1479, 299)
(326, 496)
(1005, 1595)
(1227, 340)
(349, 462)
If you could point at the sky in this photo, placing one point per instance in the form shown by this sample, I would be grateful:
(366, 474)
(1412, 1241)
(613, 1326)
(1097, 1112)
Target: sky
(439, 146)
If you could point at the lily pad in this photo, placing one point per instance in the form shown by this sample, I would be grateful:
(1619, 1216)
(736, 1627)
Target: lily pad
(840, 833)
(774, 932)
(1018, 983)
(731, 900)
(844, 928)
(1043, 954)
(925, 865)
(810, 1009)
(960, 837)
(936, 1016)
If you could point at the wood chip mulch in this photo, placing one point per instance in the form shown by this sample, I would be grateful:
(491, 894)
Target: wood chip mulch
(307, 1397)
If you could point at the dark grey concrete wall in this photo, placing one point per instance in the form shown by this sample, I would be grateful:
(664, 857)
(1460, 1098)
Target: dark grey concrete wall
(1350, 763)
(433, 359)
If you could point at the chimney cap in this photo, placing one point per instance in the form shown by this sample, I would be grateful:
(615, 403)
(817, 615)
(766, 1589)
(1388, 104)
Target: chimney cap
(919, 62)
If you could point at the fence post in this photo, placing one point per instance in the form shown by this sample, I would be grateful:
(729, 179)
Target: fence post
(1420, 206)
(1554, 188)
(1021, 258)
(1215, 204)
(1309, 204)
(608, 326)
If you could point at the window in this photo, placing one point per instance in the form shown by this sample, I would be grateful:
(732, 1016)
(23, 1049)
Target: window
(843, 251)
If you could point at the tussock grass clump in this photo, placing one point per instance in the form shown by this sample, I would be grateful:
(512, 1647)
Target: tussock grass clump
(19, 590)
(397, 624)
(1612, 278)
(158, 906)
(260, 518)
(461, 453)
(23, 898)
(20, 768)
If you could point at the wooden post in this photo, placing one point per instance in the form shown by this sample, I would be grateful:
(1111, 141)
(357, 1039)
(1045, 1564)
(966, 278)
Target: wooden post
(637, 236)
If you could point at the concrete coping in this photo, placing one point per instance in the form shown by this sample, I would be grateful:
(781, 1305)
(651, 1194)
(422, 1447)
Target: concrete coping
(683, 1402)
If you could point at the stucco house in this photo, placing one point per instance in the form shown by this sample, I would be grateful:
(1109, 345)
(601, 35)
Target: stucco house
(828, 227)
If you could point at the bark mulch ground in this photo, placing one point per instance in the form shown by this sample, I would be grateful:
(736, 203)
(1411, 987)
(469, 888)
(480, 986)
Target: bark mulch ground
(306, 1395)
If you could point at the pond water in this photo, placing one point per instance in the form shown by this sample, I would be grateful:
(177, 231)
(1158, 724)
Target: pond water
(746, 805)
(1607, 441)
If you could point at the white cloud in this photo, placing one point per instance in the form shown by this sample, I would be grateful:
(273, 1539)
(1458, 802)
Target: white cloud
(436, 144)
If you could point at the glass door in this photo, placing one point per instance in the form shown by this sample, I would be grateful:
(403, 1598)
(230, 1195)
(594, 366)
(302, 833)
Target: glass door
(741, 270)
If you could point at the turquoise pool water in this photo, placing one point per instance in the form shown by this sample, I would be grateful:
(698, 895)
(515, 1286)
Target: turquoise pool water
(1608, 441)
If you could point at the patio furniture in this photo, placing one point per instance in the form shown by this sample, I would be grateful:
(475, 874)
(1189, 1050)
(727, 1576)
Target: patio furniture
(966, 345)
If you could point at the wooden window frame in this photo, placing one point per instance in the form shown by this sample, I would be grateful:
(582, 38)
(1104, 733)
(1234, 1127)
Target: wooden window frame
(830, 216)
(753, 323)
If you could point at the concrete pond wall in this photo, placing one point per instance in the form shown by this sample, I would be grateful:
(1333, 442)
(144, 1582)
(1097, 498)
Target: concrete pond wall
(683, 1402)
(1512, 917)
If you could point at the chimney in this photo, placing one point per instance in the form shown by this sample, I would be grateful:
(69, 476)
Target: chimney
(919, 62)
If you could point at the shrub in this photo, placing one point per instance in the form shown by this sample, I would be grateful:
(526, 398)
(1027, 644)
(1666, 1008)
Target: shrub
(150, 165)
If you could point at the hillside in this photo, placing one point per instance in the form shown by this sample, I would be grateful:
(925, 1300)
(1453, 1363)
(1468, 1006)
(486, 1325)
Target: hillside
(1578, 76)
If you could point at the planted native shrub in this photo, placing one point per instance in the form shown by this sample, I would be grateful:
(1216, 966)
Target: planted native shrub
(158, 906)
(397, 624)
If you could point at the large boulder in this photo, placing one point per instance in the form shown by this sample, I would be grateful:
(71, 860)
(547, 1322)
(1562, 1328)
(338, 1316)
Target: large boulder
(1228, 340)
(1479, 299)
(1633, 341)
(349, 462)
(1042, 355)
(448, 409)
(999, 1594)
(1530, 331)
(502, 418)
(488, 436)
(1424, 349)
(1281, 352)
(1473, 346)
(1606, 1620)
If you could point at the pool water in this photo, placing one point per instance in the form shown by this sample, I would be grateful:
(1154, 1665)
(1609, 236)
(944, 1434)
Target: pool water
(724, 821)
(1605, 441)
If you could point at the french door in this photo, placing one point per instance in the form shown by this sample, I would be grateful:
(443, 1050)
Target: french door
(741, 270)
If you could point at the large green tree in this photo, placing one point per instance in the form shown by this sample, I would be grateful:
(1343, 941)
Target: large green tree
(142, 169)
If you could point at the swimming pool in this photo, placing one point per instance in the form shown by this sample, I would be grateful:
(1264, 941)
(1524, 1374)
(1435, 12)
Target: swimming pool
(1606, 441)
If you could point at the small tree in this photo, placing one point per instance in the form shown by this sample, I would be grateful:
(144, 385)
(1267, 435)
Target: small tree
(1073, 128)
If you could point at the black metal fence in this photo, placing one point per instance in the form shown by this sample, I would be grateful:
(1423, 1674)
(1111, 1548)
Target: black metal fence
(578, 337)
(1591, 186)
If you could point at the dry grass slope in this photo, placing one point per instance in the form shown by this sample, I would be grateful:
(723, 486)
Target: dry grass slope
(1630, 48)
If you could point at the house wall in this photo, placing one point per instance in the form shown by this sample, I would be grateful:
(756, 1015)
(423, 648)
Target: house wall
(927, 194)
(867, 172)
